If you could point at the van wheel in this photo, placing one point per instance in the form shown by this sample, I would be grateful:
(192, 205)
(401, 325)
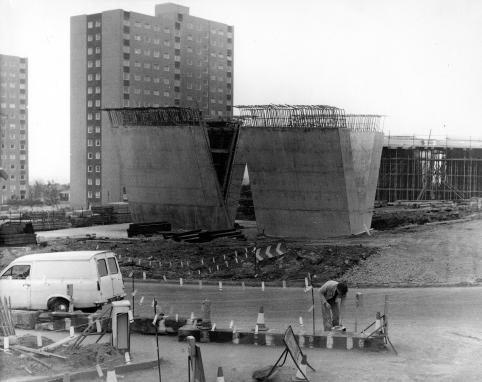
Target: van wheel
(58, 305)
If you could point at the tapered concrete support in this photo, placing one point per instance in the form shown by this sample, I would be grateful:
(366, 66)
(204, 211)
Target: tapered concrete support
(311, 182)
(169, 175)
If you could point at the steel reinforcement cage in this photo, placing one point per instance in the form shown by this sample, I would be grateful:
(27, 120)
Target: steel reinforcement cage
(306, 116)
(153, 116)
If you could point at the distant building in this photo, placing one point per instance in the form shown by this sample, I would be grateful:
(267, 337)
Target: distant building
(14, 127)
(128, 59)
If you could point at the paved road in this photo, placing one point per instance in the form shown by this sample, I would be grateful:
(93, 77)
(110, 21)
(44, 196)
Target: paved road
(407, 306)
(436, 331)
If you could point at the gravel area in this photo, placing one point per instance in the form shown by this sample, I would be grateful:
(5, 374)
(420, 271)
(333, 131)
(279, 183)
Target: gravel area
(442, 254)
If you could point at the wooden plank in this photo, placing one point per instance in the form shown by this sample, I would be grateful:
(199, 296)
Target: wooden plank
(9, 315)
(32, 357)
(5, 319)
(59, 343)
(38, 351)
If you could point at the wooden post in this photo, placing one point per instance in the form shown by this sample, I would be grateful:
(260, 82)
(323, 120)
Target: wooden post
(70, 293)
(157, 341)
(358, 304)
(133, 295)
(385, 312)
(191, 357)
(312, 301)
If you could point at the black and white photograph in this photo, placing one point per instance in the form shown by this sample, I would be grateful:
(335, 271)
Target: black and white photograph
(240, 190)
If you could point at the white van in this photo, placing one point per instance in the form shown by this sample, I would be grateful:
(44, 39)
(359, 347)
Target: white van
(39, 281)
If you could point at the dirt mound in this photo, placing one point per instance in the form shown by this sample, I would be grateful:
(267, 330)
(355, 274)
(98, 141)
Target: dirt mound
(93, 354)
(225, 259)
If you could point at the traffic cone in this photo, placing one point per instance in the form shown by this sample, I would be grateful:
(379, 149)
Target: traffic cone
(299, 376)
(260, 321)
(220, 377)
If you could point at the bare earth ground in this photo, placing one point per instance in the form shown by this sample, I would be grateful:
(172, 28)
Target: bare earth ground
(448, 253)
(434, 344)
(441, 254)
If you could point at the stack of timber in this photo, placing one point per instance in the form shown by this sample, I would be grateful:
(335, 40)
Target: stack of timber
(7, 327)
(17, 233)
(81, 218)
(120, 212)
(147, 229)
(200, 236)
(112, 213)
(46, 220)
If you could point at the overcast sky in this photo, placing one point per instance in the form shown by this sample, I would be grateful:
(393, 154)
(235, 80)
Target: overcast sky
(418, 62)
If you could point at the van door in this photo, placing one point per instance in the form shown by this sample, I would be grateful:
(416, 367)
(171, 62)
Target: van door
(116, 277)
(105, 282)
(15, 284)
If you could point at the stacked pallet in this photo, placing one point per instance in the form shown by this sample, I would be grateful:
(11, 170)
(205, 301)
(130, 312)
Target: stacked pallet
(17, 234)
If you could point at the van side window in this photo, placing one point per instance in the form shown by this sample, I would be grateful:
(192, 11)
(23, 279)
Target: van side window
(102, 268)
(112, 265)
(17, 272)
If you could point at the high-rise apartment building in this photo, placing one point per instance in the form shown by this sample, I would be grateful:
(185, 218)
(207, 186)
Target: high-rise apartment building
(128, 59)
(14, 127)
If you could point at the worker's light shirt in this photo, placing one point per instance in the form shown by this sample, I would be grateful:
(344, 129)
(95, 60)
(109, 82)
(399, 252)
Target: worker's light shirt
(329, 289)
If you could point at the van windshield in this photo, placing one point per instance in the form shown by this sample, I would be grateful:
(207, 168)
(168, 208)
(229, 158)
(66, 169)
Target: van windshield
(17, 272)
(63, 269)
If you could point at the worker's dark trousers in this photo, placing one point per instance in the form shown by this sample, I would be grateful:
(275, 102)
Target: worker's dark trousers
(331, 317)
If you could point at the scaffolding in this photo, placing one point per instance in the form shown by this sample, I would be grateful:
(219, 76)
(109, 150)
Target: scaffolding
(417, 168)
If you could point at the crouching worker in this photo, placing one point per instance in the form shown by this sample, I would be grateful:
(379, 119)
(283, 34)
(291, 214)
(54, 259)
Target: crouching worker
(332, 294)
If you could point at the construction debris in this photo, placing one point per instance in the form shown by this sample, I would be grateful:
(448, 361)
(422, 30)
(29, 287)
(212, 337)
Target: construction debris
(7, 326)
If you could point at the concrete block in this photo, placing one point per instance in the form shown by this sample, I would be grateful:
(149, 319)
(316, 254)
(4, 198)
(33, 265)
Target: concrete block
(173, 325)
(188, 330)
(144, 325)
(326, 340)
(246, 338)
(358, 342)
(25, 319)
(339, 342)
(221, 335)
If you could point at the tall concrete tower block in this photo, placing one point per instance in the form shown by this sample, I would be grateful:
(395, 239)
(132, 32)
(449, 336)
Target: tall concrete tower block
(168, 169)
(120, 59)
(313, 170)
